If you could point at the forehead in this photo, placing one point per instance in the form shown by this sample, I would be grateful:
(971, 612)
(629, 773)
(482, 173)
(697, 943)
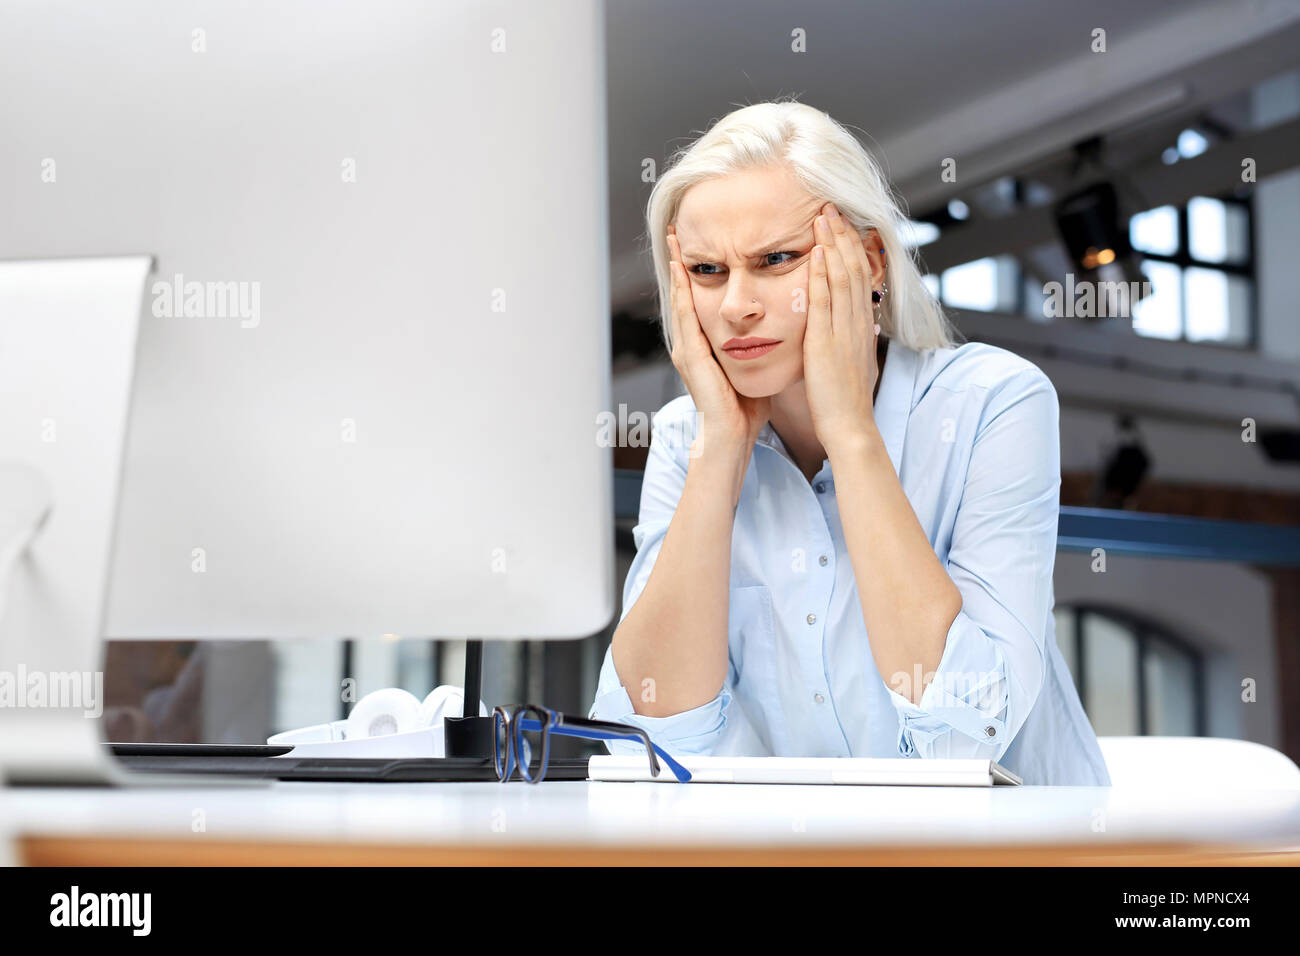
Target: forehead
(743, 211)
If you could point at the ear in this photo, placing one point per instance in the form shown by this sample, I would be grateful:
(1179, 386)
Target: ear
(872, 246)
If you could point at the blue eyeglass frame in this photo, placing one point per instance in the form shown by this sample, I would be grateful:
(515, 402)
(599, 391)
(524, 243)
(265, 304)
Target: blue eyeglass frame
(515, 724)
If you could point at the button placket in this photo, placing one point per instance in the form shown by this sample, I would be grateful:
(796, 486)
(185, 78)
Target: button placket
(826, 714)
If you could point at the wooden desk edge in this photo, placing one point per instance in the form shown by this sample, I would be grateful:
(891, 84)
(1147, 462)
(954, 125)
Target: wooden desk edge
(39, 850)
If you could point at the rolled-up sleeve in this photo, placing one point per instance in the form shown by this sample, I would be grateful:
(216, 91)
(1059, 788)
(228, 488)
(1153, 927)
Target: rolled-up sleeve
(1001, 559)
(702, 729)
(695, 731)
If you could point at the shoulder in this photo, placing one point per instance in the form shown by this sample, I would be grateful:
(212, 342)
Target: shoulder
(973, 365)
(991, 375)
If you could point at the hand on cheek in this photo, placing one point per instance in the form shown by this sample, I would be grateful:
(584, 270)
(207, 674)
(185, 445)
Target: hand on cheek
(840, 367)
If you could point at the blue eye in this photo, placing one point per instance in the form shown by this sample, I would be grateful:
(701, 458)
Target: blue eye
(701, 265)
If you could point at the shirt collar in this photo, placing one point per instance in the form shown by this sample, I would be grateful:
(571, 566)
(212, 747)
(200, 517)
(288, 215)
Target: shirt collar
(893, 404)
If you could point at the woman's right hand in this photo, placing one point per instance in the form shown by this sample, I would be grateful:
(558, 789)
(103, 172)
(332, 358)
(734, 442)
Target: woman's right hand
(723, 411)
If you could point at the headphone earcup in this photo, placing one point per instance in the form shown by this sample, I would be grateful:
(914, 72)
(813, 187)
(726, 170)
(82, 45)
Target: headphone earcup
(438, 703)
(446, 700)
(382, 712)
(443, 701)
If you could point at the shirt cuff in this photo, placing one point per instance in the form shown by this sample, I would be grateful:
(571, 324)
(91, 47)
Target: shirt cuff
(693, 731)
(963, 710)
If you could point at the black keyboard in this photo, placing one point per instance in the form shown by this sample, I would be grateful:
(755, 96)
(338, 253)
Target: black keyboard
(264, 760)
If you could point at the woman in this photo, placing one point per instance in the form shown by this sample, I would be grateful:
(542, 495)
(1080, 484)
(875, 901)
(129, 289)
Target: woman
(848, 525)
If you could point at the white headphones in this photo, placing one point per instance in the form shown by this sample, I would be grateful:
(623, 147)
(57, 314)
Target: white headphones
(385, 723)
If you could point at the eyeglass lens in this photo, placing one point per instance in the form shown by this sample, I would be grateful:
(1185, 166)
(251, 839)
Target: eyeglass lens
(532, 745)
(501, 743)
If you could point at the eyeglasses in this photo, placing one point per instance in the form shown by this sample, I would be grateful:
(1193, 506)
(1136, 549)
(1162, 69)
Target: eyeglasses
(524, 738)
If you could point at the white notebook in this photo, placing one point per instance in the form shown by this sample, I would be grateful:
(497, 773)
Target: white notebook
(870, 771)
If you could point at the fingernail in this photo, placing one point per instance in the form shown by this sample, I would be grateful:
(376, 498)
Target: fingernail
(818, 254)
(877, 329)
(834, 213)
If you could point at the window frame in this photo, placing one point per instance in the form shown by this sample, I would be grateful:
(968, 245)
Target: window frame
(1182, 258)
(1142, 630)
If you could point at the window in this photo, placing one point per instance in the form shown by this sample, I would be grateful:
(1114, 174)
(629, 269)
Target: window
(1198, 256)
(985, 285)
(1133, 677)
(1199, 259)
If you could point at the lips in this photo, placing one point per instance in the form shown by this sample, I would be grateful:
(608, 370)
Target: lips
(747, 343)
(749, 348)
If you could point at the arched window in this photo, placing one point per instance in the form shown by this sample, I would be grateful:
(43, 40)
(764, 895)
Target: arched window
(1133, 676)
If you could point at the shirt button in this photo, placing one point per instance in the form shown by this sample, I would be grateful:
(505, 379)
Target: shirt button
(990, 731)
(812, 618)
(822, 560)
(819, 698)
(821, 486)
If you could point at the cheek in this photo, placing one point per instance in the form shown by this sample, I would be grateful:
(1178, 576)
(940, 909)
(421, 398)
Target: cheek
(713, 331)
(706, 310)
(797, 305)
(796, 293)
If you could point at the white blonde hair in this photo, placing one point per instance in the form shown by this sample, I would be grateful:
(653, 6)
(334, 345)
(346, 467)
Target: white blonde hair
(831, 165)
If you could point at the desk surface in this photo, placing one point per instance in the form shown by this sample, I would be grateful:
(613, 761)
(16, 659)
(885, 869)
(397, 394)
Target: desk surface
(606, 821)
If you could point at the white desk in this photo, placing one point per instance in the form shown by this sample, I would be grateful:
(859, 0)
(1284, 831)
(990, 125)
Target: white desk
(630, 823)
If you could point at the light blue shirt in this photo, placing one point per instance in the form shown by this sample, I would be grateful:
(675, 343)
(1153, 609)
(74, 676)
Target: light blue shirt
(973, 434)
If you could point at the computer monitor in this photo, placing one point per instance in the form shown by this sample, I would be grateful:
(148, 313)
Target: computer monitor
(375, 341)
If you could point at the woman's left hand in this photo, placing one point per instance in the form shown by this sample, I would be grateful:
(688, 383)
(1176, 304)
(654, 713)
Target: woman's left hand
(839, 344)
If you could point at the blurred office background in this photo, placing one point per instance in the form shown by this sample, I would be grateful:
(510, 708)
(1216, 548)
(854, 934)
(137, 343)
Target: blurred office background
(1188, 122)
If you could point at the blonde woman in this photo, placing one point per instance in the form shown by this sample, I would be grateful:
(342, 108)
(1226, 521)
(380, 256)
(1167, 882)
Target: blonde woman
(848, 525)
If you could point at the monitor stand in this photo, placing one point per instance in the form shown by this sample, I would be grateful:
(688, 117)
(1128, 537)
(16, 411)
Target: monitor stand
(469, 736)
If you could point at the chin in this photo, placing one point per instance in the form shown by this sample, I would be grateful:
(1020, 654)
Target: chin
(764, 383)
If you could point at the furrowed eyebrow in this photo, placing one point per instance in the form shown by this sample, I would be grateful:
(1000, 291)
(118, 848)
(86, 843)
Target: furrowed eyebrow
(767, 249)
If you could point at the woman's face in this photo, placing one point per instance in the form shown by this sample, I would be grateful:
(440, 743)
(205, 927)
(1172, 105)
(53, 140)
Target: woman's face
(746, 242)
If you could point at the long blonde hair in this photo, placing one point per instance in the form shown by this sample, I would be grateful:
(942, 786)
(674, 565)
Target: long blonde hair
(833, 166)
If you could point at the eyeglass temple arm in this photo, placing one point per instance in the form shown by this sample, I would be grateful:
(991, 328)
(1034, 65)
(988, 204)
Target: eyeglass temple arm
(596, 730)
(603, 729)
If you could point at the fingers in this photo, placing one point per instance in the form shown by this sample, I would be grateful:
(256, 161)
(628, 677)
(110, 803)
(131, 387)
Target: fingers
(686, 323)
(855, 260)
(819, 297)
(681, 292)
(846, 288)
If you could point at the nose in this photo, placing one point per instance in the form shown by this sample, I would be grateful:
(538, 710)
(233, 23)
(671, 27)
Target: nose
(739, 301)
